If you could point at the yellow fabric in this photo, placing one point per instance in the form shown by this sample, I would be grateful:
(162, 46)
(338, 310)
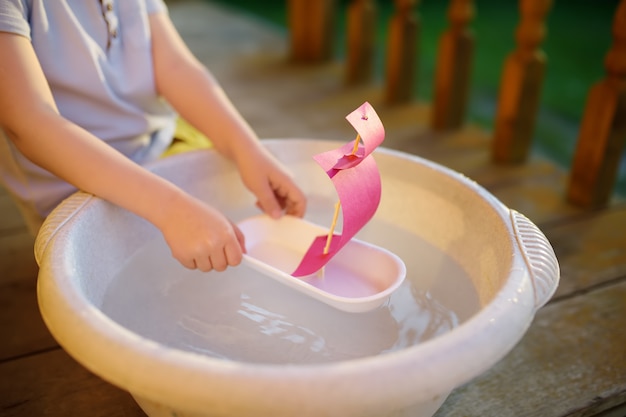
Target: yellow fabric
(186, 138)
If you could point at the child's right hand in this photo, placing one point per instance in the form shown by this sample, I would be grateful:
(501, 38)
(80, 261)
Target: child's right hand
(199, 236)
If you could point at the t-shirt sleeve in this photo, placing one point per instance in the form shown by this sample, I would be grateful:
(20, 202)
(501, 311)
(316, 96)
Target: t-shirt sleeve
(154, 6)
(14, 17)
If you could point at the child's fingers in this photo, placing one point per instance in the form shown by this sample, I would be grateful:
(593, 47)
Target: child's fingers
(219, 261)
(187, 263)
(241, 240)
(295, 203)
(203, 263)
(233, 254)
(268, 202)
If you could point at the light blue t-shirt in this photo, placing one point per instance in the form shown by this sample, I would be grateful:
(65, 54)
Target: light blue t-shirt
(96, 56)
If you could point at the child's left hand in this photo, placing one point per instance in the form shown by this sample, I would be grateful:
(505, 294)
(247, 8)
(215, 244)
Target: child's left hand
(269, 181)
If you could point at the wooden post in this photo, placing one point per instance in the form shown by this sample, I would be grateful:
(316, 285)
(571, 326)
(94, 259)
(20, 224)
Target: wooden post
(361, 28)
(402, 52)
(454, 61)
(311, 30)
(520, 87)
(603, 127)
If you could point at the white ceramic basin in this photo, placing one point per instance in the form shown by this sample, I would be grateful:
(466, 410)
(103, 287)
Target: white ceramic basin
(238, 344)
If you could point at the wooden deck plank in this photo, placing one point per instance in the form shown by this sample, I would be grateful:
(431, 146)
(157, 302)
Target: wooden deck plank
(591, 251)
(10, 217)
(53, 384)
(571, 362)
(17, 258)
(23, 330)
(21, 325)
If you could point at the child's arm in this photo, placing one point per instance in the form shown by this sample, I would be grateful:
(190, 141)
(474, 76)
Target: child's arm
(197, 234)
(193, 92)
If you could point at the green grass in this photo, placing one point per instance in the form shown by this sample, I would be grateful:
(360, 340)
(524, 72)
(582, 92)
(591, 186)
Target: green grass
(578, 38)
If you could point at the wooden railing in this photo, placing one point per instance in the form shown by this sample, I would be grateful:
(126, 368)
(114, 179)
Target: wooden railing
(603, 128)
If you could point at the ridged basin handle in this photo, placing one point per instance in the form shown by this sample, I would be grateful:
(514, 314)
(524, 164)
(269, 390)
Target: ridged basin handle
(56, 219)
(540, 258)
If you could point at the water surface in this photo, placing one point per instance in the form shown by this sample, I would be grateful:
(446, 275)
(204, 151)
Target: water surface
(243, 315)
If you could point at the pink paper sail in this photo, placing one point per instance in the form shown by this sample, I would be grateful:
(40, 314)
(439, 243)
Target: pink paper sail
(357, 181)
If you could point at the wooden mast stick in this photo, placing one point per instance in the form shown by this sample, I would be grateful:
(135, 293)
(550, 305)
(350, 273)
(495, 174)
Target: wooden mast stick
(332, 228)
(338, 204)
(356, 144)
(331, 231)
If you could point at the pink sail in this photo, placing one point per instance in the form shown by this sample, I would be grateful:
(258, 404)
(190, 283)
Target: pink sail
(357, 181)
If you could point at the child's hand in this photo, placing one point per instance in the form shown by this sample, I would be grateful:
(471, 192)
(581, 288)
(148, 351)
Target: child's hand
(274, 188)
(201, 237)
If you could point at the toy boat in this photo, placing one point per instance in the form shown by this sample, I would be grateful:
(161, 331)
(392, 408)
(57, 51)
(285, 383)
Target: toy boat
(343, 272)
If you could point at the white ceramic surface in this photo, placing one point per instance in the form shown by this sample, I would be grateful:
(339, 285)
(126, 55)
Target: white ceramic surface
(511, 265)
(359, 278)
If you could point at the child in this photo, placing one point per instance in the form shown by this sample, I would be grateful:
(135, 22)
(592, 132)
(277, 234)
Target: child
(85, 93)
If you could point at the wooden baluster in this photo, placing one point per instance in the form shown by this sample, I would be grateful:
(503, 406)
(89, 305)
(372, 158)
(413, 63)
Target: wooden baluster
(402, 52)
(452, 77)
(361, 35)
(311, 29)
(520, 87)
(603, 127)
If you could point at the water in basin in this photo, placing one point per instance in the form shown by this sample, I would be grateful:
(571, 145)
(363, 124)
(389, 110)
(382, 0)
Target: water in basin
(242, 315)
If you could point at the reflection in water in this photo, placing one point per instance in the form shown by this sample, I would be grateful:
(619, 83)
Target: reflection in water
(242, 315)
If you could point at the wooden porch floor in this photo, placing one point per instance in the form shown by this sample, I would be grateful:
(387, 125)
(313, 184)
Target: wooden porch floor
(572, 362)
